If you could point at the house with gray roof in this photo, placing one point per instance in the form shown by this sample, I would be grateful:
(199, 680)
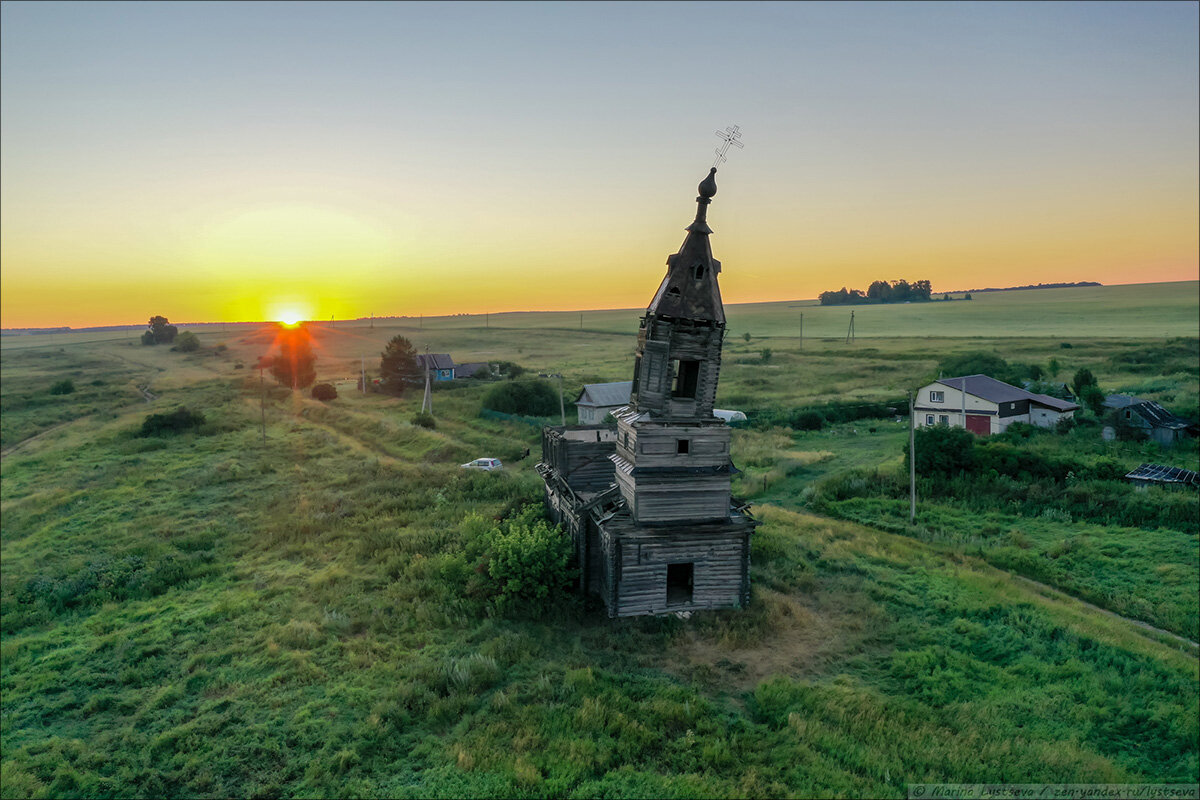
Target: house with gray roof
(598, 400)
(984, 405)
(440, 365)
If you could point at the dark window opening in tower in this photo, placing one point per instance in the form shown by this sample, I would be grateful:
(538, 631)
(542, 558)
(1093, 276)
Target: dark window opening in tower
(680, 582)
(673, 291)
(699, 272)
(687, 376)
(682, 446)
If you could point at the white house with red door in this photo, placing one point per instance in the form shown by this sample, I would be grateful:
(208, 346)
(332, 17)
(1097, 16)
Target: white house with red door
(985, 405)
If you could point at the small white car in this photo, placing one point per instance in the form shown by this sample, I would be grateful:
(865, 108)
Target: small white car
(488, 464)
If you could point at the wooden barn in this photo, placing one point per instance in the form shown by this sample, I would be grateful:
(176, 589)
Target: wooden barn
(647, 502)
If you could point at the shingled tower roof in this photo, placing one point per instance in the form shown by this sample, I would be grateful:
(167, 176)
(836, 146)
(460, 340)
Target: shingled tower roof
(689, 290)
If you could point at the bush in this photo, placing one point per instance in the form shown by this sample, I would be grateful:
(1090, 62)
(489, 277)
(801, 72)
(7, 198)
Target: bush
(943, 450)
(65, 386)
(424, 420)
(527, 561)
(529, 397)
(507, 369)
(187, 342)
(178, 421)
(324, 392)
(809, 421)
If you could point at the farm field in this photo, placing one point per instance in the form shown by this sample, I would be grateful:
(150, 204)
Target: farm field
(218, 613)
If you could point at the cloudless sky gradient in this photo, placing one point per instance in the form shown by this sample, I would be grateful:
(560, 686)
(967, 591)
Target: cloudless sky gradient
(233, 161)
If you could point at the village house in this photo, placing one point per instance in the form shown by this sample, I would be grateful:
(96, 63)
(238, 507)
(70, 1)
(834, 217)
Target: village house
(1147, 417)
(598, 400)
(984, 405)
(440, 365)
(647, 502)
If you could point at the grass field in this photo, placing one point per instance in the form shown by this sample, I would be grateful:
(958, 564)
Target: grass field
(213, 614)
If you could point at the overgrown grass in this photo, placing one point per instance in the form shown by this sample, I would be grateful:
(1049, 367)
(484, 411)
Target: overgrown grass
(213, 614)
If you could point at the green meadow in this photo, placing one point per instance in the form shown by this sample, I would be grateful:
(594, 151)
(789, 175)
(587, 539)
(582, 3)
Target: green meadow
(305, 612)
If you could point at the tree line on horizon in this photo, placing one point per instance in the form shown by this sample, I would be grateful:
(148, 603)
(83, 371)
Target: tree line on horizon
(879, 292)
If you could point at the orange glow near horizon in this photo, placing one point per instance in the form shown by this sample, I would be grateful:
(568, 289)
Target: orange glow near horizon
(206, 163)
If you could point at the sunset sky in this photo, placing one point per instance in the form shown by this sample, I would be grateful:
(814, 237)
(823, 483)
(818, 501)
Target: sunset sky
(243, 161)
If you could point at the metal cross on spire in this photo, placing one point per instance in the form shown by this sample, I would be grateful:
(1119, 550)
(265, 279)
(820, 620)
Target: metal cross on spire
(729, 136)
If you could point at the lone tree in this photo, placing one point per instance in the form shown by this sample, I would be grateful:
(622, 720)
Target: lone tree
(161, 332)
(294, 365)
(398, 367)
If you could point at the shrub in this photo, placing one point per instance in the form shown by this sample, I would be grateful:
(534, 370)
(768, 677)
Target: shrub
(766, 354)
(530, 397)
(976, 363)
(424, 420)
(527, 561)
(187, 342)
(809, 421)
(507, 369)
(324, 392)
(65, 386)
(178, 421)
(943, 450)
(1093, 398)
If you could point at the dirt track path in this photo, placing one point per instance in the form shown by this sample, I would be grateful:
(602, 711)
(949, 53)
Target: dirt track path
(47, 432)
(356, 444)
(1050, 592)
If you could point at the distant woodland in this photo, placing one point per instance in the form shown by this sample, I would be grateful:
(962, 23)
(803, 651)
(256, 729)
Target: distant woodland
(879, 292)
(1039, 286)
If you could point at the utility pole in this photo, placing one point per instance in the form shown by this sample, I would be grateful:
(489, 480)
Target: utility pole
(562, 409)
(427, 400)
(850, 333)
(912, 463)
(262, 399)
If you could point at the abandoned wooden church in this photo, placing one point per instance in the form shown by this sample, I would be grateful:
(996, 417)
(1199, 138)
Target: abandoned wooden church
(647, 503)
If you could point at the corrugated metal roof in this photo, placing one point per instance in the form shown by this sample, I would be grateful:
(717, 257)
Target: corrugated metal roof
(1160, 473)
(1121, 400)
(1053, 402)
(995, 391)
(467, 370)
(1157, 416)
(987, 388)
(436, 360)
(605, 394)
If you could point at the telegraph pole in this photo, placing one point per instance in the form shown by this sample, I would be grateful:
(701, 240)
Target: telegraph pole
(562, 409)
(262, 399)
(850, 332)
(912, 463)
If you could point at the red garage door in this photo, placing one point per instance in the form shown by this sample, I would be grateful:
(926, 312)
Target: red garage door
(979, 424)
